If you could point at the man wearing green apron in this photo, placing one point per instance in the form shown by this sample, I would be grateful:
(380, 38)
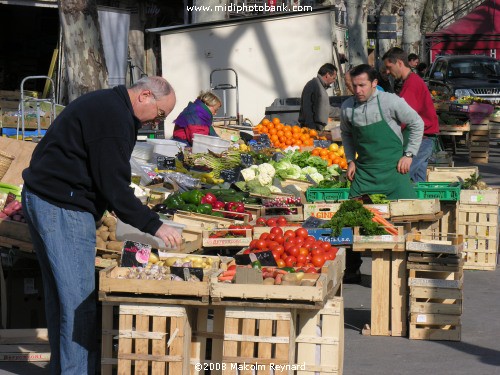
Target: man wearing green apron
(370, 126)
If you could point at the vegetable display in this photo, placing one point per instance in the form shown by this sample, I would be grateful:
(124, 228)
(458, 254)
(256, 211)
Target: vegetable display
(351, 213)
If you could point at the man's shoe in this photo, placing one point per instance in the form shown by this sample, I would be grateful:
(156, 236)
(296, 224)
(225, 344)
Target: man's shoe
(352, 277)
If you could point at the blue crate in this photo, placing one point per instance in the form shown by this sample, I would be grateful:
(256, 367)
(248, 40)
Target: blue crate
(325, 234)
(11, 132)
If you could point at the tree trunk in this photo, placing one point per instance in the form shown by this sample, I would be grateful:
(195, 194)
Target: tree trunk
(136, 42)
(208, 15)
(385, 44)
(356, 23)
(411, 25)
(85, 68)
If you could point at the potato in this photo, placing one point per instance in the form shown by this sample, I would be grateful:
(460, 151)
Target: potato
(104, 235)
(114, 245)
(112, 228)
(103, 228)
(100, 243)
(109, 221)
(112, 236)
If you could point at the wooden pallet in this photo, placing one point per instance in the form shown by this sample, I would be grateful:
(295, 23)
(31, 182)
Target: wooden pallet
(255, 338)
(479, 226)
(434, 300)
(323, 329)
(153, 339)
(448, 223)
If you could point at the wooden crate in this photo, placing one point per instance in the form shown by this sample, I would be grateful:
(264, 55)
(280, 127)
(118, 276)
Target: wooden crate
(435, 327)
(389, 294)
(479, 226)
(207, 340)
(451, 174)
(297, 213)
(480, 197)
(451, 244)
(113, 281)
(254, 338)
(208, 241)
(324, 329)
(433, 300)
(153, 339)
(448, 222)
(414, 207)
(323, 210)
(327, 284)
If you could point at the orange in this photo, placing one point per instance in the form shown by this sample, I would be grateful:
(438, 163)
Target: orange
(276, 121)
(281, 138)
(330, 162)
(298, 142)
(274, 138)
(315, 152)
(323, 152)
(310, 142)
(296, 135)
(264, 129)
(296, 129)
(343, 164)
(304, 137)
(273, 131)
(280, 133)
(279, 126)
(333, 147)
(313, 133)
(265, 122)
(288, 141)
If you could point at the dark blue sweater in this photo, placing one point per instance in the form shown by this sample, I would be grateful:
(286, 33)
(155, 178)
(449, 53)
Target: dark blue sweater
(83, 161)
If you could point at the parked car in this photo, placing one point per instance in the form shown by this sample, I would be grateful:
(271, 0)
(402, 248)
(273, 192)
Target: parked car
(466, 75)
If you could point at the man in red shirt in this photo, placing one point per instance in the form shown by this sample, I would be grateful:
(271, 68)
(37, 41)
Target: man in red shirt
(417, 95)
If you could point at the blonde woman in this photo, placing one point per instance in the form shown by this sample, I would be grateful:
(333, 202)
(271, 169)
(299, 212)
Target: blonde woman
(197, 118)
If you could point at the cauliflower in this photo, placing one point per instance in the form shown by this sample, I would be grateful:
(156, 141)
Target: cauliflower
(274, 189)
(248, 174)
(267, 170)
(265, 179)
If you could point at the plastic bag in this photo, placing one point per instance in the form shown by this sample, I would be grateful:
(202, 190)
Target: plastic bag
(139, 171)
(183, 181)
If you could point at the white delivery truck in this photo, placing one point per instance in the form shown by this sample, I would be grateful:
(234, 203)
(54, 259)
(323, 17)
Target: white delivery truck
(273, 56)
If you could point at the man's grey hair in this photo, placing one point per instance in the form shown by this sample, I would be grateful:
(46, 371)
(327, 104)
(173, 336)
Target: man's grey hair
(159, 86)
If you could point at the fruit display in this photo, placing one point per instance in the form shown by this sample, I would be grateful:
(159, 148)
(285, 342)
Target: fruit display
(282, 135)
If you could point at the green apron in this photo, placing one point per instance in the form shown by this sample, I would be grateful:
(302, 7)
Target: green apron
(379, 150)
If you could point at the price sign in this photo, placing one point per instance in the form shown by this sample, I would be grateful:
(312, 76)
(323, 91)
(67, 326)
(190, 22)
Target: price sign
(264, 139)
(265, 258)
(135, 254)
(230, 175)
(165, 162)
(324, 143)
(246, 160)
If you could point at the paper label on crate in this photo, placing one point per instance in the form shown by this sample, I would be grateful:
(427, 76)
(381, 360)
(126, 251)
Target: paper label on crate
(476, 198)
(421, 318)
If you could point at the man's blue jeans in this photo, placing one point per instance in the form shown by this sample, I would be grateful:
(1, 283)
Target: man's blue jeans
(64, 242)
(418, 169)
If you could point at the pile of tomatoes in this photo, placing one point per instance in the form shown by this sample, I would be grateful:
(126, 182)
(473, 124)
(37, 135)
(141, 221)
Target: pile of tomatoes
(294, 248)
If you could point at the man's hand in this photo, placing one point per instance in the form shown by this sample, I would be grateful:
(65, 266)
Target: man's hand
(169, 235)
(351, 170)
(404, 165)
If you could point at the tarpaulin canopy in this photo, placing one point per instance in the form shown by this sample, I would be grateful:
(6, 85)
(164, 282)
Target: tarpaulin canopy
(476, 33)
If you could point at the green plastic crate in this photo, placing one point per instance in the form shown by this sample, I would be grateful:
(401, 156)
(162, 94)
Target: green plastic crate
(444, 191)
(327, 195)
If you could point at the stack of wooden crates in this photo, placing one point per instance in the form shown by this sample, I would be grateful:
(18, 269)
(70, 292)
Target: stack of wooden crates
(479, 135)
(435, 279)
(478, 222)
